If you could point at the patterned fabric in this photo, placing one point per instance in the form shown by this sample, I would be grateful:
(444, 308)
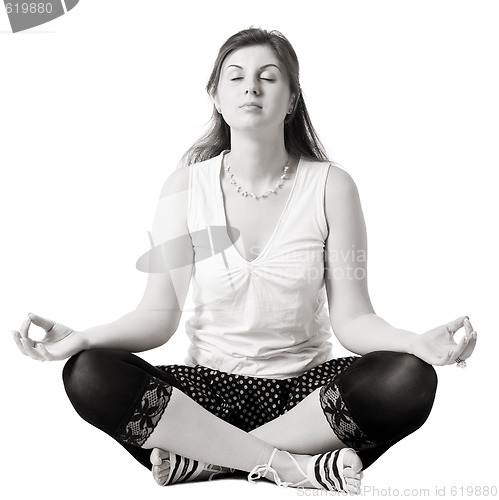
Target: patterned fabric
(328, 471)
(249, 402)
(146, 414)
(246, 402)
(340, 419)
(183, 469)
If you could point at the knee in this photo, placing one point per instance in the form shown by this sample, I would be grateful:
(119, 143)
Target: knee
(402, 375)
(86, 375)
(99, 387)
(391, 392)
(410, 375)
(408, 385)
(77, 370)
(70, 372)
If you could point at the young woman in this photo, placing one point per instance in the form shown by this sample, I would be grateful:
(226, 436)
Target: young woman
(259, 220)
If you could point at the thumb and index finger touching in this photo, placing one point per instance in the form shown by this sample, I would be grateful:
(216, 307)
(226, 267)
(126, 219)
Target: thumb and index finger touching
(454, 325)
(46, 324)
(467, 344)
(26, 345)
(40, 321)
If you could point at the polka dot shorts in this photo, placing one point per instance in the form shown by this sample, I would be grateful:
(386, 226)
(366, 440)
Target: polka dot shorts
(249, 402)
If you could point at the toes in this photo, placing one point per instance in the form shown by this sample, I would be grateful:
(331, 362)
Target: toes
(353, 490)
(352, 461)
(353, 482)
(352, 472)
(154, 457)
(158, 455)
(353, 485)
(162, 477)
(161, 474)
(160, 465)
(161, 470)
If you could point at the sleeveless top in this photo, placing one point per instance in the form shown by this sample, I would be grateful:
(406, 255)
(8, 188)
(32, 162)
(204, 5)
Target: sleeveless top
(268, 317)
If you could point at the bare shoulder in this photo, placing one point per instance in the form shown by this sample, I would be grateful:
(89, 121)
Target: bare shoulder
(344, 216)
(172, 207)
(177, 181)
(341, 190)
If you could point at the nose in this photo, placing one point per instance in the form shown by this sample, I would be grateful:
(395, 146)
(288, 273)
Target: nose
(252, 89)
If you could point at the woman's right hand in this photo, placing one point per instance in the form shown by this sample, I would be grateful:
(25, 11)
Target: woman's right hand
(59, 342)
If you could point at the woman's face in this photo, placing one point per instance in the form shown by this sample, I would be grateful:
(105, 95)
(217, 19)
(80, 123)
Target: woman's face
(253, 91)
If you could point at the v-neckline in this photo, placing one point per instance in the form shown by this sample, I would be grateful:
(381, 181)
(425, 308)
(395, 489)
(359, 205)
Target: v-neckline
(224, 214)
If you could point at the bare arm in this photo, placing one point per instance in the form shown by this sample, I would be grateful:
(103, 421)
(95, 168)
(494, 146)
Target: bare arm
(355, 324)
(139, 330)
(157, 315)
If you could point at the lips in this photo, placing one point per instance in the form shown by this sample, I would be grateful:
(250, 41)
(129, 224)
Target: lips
(250, 104)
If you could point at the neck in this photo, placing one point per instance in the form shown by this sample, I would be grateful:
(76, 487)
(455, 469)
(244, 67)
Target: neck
(257, 160)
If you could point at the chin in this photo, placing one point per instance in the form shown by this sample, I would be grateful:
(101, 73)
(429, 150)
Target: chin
(255, 124)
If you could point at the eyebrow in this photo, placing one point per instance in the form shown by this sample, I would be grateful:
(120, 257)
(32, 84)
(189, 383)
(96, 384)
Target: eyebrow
(265, 66)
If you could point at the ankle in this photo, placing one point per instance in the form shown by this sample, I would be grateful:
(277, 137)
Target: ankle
(287, 469)
(262, 457)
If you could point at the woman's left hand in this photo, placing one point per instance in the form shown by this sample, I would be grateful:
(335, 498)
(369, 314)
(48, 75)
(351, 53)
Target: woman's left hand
(438, 347)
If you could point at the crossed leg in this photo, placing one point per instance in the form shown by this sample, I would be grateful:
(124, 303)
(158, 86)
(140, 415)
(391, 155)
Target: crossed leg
(177, 423)
(378, 400)
(211, 440)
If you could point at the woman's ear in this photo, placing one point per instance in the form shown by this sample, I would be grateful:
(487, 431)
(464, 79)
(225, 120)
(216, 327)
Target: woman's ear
(216, 103)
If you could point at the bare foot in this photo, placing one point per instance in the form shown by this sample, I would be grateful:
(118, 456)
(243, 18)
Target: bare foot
(320, 471)
(352, 471)
(169, 468)
(160, 465)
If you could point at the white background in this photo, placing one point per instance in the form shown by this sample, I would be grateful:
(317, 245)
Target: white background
(98, 106)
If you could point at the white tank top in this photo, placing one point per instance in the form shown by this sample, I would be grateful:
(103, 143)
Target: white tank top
(267, 317)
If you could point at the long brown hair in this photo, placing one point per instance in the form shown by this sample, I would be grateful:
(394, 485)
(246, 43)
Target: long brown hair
(300, 137)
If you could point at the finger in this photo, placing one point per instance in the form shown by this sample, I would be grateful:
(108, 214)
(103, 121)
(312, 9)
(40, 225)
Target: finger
(468, 329)
(470, 347)
(31, 351)
(46, 324)
(17, 340)
(447, 360)
(43, 352)
(459, 349)
(454, 326)
(469, 339)
(24, 328)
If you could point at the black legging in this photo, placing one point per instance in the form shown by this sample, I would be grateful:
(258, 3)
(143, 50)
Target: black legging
(379, 399)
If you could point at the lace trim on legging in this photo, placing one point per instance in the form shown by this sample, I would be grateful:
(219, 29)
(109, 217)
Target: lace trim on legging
(340, 419)
(147, 412)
